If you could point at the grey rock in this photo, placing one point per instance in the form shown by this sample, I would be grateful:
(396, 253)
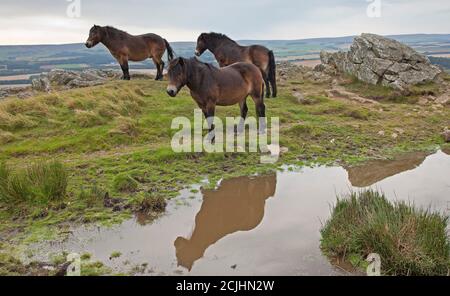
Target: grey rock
(379, 60)
(77, 79)
(446, 135)
(41, 84)
(21, 92)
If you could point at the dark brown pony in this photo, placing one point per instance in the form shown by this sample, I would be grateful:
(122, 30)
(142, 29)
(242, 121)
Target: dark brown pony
(211, 87)
(228, 52)
(125, 47)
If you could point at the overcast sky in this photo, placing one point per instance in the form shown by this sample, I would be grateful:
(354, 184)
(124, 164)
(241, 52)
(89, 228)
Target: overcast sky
(46, 21)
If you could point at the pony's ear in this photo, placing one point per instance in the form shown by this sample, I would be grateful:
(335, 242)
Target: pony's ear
(181, 62)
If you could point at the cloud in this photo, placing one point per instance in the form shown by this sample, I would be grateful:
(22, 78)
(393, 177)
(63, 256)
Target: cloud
(45, 21)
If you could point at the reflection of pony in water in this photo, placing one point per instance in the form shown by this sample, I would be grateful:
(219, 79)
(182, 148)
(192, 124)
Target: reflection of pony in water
(238, 205)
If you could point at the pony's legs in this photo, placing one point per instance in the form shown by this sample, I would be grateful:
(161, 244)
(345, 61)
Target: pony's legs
(161, 71)
(273, 83)
(266, 82)
(258, 98)
(209, 113)
(244, 112)
(159, 68)
(125, 69)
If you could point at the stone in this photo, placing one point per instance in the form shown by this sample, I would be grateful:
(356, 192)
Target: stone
(446, 135)
(284, 150)
(443, 99)
(423, 101)
(379, 60)
(41, 84)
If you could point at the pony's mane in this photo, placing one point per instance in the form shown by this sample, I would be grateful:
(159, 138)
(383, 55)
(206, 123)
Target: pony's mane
(219, 36)
(208, 65)
(114, 31)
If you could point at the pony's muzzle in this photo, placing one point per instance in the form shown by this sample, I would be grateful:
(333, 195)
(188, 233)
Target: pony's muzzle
(172, 91)
(88, 44)
(197, 53)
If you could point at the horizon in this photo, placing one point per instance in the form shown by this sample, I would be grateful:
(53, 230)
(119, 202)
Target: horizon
(57, 22)
(281, 40)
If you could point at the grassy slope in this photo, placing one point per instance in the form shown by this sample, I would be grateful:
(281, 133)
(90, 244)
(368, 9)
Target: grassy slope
(124, 127)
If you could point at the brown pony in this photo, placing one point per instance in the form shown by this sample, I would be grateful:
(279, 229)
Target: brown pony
(211, 87)
(228, 52)
(125, 47)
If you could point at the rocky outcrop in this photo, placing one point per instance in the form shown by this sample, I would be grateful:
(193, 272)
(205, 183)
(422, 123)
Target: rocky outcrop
(379, 60)
(72, 79)
(20, 92)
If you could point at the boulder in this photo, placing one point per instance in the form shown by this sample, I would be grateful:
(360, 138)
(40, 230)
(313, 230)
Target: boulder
(446, 135)
(379, 60)
(41, 84)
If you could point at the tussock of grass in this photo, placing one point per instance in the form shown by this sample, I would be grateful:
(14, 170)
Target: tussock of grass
(39, 183)
(149, 203)
(92, 196)
(6, 137)
(87, 118)
(125, 126)
(360, 114)
(125, 182)
(410, 241)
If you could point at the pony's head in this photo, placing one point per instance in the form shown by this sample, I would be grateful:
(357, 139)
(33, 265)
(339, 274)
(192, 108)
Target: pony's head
(202, 44)
(95, 36)
(177, 73)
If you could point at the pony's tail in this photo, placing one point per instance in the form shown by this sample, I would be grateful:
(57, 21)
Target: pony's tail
(169, 50)
(272, 73)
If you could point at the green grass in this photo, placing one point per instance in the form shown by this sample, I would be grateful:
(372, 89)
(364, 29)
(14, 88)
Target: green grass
(39, 183)
(410, 241)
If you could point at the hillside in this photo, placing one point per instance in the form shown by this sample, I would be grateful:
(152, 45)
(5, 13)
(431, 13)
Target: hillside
(18, 60)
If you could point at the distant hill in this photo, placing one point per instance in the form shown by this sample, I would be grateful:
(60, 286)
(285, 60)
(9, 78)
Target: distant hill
(32, 59)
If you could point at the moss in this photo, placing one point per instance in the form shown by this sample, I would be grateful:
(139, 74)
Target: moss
(410, 241)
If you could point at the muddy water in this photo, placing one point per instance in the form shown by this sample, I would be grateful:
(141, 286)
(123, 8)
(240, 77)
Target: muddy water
(266, 225)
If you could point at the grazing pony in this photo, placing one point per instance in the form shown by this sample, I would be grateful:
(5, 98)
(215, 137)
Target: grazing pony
(228, 52)
(211, 87)
(125, 47)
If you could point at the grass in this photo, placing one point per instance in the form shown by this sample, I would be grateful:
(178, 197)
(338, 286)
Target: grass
(115, 255)
(149, 203)
(410, 241)
(115, 138)
(39, 183)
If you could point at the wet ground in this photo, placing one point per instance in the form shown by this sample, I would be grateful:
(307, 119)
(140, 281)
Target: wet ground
(267, 225)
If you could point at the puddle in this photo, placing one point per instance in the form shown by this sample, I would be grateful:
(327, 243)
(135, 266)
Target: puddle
(266, 225)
